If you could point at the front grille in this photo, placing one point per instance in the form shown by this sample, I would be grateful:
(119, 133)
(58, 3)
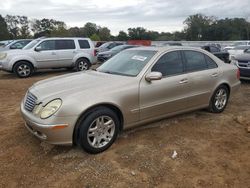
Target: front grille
(244, 64)
(30, 102)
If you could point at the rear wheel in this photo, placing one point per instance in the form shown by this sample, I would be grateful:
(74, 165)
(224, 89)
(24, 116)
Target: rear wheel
(82, 64)
(98, 130)
(219, 99)
(23, 69)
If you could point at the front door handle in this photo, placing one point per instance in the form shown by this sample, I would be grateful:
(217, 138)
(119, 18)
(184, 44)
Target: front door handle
(215, 74)
(183, 81)
(53, 53)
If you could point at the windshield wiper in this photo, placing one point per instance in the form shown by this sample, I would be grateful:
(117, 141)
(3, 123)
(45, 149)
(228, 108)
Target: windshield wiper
(116, 73)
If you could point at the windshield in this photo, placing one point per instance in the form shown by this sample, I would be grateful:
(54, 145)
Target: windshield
(105, 45)
(31, 44)
(118, 48)
(127, 63)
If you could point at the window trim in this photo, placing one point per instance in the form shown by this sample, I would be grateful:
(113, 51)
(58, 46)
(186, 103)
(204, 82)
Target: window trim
(185, 61)
(161, 55)
(43, 42)
(78, 41)
(65, 40)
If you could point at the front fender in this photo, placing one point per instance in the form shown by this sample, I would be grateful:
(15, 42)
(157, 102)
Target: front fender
(20, 58)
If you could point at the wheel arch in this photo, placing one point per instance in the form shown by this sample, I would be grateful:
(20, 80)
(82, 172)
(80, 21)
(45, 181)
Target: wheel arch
(27, 61)
(86, 112)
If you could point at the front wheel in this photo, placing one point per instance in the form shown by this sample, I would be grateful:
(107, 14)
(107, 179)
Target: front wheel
(98, 130)
(219, 99)
(23, 69)
(82, 64)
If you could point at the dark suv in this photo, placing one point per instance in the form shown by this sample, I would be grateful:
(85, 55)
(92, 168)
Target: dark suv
(243, 62)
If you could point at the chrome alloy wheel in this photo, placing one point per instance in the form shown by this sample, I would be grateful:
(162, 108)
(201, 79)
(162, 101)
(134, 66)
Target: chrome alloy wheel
(101, 131)
(82, 65)
(221, 98)
(23, 70)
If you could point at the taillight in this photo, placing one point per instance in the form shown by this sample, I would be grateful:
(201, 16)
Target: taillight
(238, 74)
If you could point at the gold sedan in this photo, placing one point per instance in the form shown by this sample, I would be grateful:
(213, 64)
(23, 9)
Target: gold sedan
(134, 87)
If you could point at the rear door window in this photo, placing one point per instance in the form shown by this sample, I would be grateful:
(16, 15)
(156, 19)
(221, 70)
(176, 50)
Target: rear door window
(210, 63)
(195, 61)
(84, 44)
(65, 44)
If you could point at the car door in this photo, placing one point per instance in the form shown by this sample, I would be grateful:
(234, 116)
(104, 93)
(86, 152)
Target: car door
(168, 95)
(203, 74)
(45, 54)
(66, 50)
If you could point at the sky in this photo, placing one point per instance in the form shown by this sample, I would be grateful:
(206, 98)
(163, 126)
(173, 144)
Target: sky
(157, 15)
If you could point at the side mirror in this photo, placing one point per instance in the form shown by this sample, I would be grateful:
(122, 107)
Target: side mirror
(153, 76)
(38, 49)
(246, 50)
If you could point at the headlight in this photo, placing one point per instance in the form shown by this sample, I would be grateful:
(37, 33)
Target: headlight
(3, 56)
(50, 108)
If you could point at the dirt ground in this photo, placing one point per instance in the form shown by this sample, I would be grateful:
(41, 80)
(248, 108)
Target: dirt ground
(213, 150)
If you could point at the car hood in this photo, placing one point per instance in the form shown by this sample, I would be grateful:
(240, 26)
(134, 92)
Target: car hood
(16, 51)
(76, 84)
(243, 57)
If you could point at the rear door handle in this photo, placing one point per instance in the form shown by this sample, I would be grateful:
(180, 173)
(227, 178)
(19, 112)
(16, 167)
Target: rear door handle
(183, 81)
(74, 52)
(215, 74)
(53, 53)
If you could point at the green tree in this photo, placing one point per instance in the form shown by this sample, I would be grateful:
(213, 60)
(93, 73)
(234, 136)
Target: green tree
(197, 25)
(89, 29)
(24, 30)
(104, 33)
(137, 33)
(12, 25)
(95, 37)
(122, 36)
(4, 33)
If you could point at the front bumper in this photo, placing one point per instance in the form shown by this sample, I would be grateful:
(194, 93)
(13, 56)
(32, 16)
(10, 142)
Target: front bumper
(244, 73)
(47, 129)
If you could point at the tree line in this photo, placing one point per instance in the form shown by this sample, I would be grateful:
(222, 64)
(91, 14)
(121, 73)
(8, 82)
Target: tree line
(196, 27)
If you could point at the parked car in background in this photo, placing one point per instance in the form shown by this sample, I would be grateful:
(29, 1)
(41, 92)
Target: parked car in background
(108, 46)
(4, 43)
(78, 53)
(104, 56)
(99, 43)
(236, 44)
(237, 51)
(172, 44)
(16, 44)
(214, 44)
(224, 56)
(243, 62)
(136, 86)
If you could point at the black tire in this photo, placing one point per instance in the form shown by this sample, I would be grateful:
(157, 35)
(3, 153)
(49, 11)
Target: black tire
(82, 64)
(85, 140)
(214, 105)
(23, 69)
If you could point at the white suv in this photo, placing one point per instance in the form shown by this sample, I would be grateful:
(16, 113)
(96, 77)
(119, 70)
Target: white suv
(78, 53)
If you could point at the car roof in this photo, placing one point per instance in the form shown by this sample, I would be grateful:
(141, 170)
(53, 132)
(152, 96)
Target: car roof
(166, 48)
(67, 38)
